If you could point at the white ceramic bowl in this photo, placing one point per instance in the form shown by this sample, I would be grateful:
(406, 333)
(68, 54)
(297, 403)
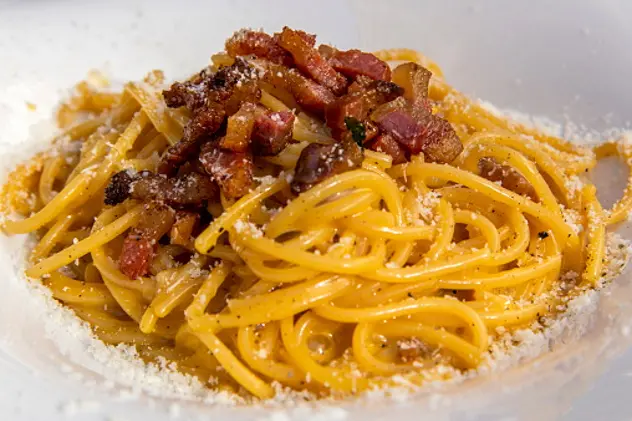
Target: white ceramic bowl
(565, 60)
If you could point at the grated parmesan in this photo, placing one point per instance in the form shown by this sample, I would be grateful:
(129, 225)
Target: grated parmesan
(122, 368)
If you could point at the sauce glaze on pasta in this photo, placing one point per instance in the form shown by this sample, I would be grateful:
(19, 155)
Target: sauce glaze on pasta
(377, 271)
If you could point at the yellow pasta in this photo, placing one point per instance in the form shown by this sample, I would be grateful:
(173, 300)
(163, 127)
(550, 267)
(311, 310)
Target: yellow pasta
(385, 269)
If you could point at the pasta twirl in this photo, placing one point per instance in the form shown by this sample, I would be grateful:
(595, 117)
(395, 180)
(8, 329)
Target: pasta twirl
(397, 264)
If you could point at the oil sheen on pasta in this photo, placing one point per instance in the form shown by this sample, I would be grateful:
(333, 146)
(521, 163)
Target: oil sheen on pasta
(378, 271)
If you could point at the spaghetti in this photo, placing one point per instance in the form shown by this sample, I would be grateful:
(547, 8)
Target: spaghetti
(398, 265)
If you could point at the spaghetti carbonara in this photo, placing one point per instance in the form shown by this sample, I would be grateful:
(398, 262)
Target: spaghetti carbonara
(321, 219)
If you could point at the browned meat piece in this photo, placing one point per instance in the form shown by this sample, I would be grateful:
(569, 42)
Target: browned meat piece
(242, 92)
(191, 166)
(398, 104)
(190, 94)
(360, 84)
(205, 121)
(385, 143)
(359, 103)
(440, 143)
(318, 162)
(327, 51)
(211, 97)
(118, 189)
(233, 171)
(177, 96)
(184, 228)
(508, 177)
(247, 42)
(175, 155)
(382, 92)
(231, 85)
(465, 294)
(222, 82)
(208, 87)
(351, 105)
(141, 242)
(272, 131)
(415, 80)
(309, 94)
(360, 132)
(403, 128)
(191, 189)
(310, 39)
(239, 128)
(370, 131)
(433, 135)
(354, 63)
(309, 61)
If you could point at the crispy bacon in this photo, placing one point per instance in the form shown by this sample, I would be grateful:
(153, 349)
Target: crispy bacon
(239, 128)
(318, 162)
(327, 51)
(180, 95)
(233, 171)
(184, 227)
(440, 143)
(118, 189)
(385, 143)
(272, 131)
(309, 94)
(351, 90)
(310, 39)
(370, 131)
(350, 105)
(403, 128)
(360, 84)
(415, 80)
(209, 96)
(464, 294)
(359, 103)
(191, 189)
(247, 91)
(353, 63)
(309, 60)
(191, 166)
(433, 135)
(508, 177)
(398, 104)
(208, 87)
(206, 121)
(190, 94)
(248, 42)
(223, 82)
(141, 242)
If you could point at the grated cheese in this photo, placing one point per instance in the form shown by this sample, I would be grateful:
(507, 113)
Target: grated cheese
(122, 367)
(573, 219)
(426, 204)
